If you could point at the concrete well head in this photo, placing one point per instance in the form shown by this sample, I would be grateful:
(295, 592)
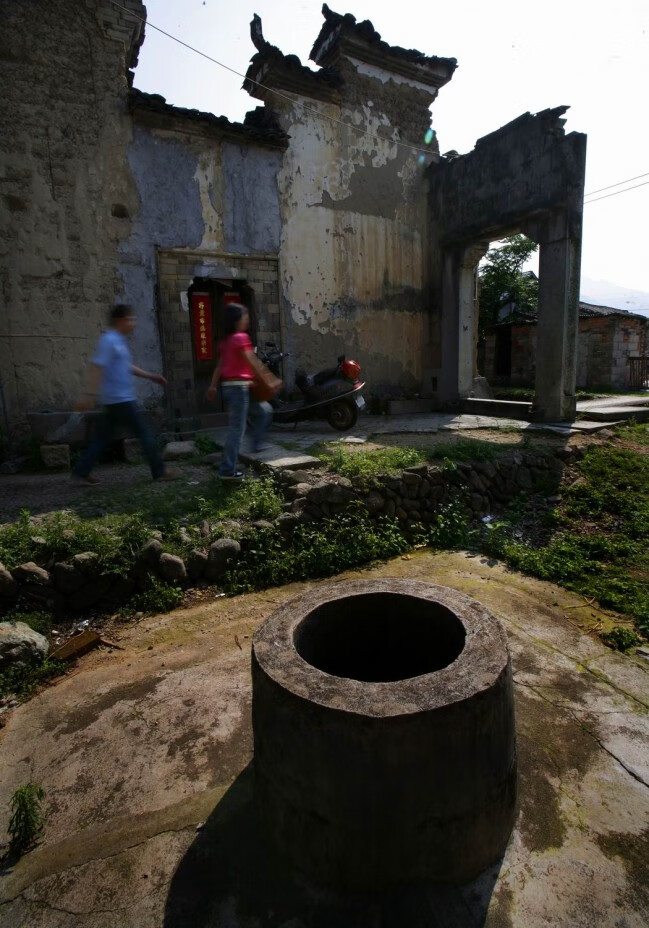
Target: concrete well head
(384, 739)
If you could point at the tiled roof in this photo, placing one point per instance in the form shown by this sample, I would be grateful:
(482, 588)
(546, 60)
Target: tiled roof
(258, 126)
(363, 40)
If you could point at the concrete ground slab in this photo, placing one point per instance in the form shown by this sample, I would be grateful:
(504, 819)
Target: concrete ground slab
(138, 749)
(619, 413)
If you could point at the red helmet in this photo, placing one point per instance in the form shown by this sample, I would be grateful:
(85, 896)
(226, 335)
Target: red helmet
(350, 370)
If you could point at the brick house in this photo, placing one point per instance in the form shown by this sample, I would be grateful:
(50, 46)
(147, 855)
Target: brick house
(607, 338)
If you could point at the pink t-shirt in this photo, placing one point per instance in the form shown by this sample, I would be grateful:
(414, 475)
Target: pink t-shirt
(234, 364)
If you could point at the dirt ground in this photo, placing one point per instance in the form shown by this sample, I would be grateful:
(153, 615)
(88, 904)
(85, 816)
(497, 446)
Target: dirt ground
(120, 484)
(145, 755)
(123, 484)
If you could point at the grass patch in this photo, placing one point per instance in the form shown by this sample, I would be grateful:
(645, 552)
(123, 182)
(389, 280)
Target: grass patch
(468, 450)
(392, 460)
(117, 538)
(368, 463)
(159, 597)
(598, 540)
(23, 679)
(518, 394)
(636, 432)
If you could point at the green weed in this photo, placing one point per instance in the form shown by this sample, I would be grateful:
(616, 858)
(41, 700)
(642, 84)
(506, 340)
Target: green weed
(157, 598)
(205, 444)
(620, 638)
(27, 819)
(369, 463)
(598, 541)
(22, 679)
(314, 550)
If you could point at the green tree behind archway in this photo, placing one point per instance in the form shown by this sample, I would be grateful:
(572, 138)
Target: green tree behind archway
(503, 281)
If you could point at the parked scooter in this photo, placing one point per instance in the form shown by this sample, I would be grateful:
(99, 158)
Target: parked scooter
(333, 394)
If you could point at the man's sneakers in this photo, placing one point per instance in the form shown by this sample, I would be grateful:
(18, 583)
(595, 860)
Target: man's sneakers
(237, 475)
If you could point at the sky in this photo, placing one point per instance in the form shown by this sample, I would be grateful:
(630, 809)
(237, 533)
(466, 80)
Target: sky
(513, 57)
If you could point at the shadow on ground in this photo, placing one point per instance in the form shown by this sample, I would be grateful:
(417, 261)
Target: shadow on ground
(229, 879)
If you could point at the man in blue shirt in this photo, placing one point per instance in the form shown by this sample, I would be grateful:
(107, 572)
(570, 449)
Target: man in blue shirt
(111, 379)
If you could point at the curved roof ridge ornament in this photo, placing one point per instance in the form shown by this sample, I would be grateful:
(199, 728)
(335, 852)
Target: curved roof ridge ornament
(257, 34)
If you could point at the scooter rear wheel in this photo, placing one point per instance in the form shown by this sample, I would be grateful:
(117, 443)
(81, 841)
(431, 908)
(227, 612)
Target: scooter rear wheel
(342, 415)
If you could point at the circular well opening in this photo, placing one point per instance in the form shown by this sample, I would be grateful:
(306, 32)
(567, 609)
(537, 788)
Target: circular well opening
(380, 637)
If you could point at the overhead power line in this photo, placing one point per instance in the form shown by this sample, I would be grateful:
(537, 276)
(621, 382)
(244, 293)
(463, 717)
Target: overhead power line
(617, 192)
(320, 115)
(619, 184)
(307, 109)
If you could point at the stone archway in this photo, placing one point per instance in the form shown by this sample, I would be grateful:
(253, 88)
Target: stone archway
(527, 176)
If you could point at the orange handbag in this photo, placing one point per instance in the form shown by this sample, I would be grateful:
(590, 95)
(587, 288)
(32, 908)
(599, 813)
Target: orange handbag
(264, 386)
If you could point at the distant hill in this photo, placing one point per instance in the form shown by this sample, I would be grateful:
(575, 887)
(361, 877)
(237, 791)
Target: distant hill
(604, 293)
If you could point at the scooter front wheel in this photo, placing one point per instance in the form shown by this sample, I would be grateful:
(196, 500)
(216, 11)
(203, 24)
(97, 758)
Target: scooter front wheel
(342, 415)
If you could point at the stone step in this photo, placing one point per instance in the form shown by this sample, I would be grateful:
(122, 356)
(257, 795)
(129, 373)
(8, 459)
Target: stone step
(410, 407)
(501, 409)
(616, 413)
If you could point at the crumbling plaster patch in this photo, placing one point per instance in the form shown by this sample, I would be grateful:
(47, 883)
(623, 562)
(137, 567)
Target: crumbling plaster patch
(352, 245)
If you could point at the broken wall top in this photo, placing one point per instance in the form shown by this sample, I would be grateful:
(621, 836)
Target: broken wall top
(259, 126)
(126, 25)
(522, 172)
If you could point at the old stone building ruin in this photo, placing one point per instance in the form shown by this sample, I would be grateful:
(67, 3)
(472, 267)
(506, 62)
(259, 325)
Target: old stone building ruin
(320, 211)
(608, 341)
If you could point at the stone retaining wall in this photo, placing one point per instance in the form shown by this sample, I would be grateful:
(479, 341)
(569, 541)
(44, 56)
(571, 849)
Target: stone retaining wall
(414, 497)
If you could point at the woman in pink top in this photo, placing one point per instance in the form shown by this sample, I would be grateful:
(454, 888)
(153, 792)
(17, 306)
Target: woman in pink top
(236, 370)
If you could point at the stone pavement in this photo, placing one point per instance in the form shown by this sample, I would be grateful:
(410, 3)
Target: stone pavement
(145, 754)
(617, 408)
(288, 444)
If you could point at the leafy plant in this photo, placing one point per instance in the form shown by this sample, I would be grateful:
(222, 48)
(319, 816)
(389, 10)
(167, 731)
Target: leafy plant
(157, 598)
(27, 818)
(620, 638)
(269, 558)
(22, 679)
(369, 463)
(205, 444)
(451, 526)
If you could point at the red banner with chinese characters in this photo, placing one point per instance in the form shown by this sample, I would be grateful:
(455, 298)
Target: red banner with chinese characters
(202, 321)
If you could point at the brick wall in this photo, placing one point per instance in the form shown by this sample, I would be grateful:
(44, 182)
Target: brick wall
(604, 346)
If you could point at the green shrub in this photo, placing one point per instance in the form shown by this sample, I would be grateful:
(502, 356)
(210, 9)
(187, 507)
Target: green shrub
(451, 526)
(369, 463)
(268, 558)
(22, 679)
(157, 598)
(27, 818)
(620, 638)
(205, 444)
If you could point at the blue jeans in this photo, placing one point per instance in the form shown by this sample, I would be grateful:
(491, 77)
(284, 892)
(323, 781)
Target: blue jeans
(121, 415)
(239, 406)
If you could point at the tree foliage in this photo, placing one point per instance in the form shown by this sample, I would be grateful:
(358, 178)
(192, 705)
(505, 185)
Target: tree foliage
(503, 281)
